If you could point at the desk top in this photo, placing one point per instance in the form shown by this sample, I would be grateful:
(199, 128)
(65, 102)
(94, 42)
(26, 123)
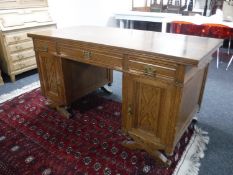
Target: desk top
(184, 49)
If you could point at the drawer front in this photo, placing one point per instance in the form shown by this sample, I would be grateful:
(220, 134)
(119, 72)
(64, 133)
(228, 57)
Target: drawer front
(22, 55)
(31, 61)
(92, 56)
(19, 37)
(15, 38)
(21, 46)
(45, 46)
(152, 69)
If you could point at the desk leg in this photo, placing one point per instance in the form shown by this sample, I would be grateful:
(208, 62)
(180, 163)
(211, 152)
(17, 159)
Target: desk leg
(164, 27)
(217, 58)
(63, 110)
(159, 157)
(131, 24)
(122, 24)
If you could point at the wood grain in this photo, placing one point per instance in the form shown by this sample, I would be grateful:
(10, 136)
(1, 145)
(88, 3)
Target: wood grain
(163, 77)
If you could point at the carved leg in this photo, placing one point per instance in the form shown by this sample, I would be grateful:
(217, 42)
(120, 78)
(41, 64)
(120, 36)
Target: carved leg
(12, 77)
(158, 156)
(63, 110)
(130, 144)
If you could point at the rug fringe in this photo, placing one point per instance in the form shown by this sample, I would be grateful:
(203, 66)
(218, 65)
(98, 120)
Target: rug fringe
(189, 163)
(18, 92)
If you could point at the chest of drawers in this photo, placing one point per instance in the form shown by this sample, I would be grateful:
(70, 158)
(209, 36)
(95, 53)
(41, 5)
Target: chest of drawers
(16, 49)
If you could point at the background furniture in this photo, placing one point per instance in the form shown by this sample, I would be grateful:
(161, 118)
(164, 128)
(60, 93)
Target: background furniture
(206, 30)
(157, 6)
(17, 18)
(127, 18)
(176, 6)
(172, 6)
(162, 84)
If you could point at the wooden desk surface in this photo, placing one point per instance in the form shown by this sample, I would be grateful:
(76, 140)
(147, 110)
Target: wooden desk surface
(190, 50)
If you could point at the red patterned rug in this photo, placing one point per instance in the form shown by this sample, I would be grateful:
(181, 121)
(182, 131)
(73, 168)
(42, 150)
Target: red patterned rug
(35, 139)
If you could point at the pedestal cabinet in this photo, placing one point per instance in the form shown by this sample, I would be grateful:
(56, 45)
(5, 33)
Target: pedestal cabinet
(17, 18)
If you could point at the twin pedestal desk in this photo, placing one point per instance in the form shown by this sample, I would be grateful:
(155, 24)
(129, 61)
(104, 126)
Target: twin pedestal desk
(163, 77)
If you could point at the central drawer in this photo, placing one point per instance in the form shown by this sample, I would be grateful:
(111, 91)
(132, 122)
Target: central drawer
(95, 56)
(151, 68)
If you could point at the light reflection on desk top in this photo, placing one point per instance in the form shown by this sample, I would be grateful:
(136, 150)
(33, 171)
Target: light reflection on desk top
(188, 49)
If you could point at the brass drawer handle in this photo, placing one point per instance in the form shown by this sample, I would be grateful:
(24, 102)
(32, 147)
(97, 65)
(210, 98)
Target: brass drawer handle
(130, 111)
(43, 48)
(16, 38)
(87, 54)
(150, 71)
(20, 57)
(19, 47)
(23, 65)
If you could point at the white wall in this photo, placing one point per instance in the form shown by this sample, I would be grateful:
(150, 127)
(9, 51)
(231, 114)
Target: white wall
(86, 12)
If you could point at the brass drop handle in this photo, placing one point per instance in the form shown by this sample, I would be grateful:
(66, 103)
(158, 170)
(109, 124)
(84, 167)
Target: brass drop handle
(44, 48)
(148, 70)
(130, 111)
(87, 54)
(20, 57)
(19, 47)
(16, 38)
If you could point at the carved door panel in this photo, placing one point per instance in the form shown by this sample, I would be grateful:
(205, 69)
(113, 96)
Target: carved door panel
(50, 71)
(146, 109)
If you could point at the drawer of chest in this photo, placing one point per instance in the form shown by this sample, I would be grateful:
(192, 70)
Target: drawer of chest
(21, 36)
(91, 56)
(17, 37)
(152, 69)
(22, 55)
(31, 61)
(45, 46)
(20, 46)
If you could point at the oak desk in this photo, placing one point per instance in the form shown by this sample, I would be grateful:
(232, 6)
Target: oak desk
(163, 76)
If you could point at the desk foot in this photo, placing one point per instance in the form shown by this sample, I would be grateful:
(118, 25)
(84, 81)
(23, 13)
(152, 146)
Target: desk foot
(106, 89)
(158, 156)
(63, 110)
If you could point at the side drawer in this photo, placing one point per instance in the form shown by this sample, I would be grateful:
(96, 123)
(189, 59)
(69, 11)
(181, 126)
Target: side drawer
(24, 63)
(20, 47)
(45, 46)
(92, 56)
(22, 55)
(151, 68)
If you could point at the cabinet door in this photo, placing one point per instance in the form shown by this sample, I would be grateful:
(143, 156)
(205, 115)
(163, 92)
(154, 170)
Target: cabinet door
(50, 71)
(146, 109)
